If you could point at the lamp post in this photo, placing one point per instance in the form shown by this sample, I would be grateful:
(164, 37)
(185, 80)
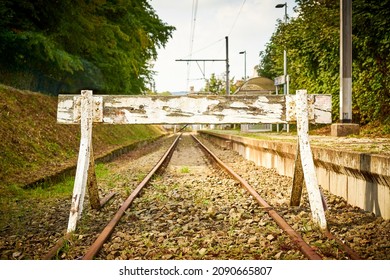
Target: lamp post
(285, 86)
(286, 79)
(244, 53)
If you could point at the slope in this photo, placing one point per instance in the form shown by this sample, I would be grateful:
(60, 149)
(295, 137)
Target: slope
(33, 145)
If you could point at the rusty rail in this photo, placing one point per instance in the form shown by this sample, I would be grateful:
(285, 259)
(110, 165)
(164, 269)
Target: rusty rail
(306, 249)
(105, 234)
(352, 254)
(58, 246)
(67, 237)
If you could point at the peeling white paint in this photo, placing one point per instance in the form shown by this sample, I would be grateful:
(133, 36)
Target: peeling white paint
(87, 108)
(124, 109)
(81, 177)
(309, 172)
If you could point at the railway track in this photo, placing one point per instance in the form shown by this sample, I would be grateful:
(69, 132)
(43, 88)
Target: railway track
(197, 210)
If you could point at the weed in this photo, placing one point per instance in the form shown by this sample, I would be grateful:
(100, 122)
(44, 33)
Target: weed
(101, 170)
(45, 191)
(185, 169)
(386, 129)
(64, 249)
(128, 191)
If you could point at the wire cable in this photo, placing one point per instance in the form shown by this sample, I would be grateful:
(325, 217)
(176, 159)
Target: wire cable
(192, 35)
(238, 15)
(206, 47)
(235, 20)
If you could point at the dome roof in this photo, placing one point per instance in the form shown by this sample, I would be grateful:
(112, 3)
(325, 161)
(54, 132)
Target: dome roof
(257, 85)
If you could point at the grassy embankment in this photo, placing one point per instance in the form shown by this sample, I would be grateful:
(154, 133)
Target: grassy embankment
(34, 146)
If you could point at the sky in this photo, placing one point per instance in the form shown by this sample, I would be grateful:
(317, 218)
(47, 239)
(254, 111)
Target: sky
(248, 24)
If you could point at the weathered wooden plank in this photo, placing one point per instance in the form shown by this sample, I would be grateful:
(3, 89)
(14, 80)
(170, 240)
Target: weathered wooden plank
(83, 160)
(319, 108)
(298, 180)
(124, 109)
(309, 172)
(93, 191)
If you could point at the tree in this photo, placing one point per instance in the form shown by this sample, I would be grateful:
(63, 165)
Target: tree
(218, 86)
(371, 60)
(103, 44)
(312, 43)
(215, 85)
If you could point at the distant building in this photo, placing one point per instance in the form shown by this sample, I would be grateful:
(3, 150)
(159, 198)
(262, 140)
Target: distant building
(257, 85)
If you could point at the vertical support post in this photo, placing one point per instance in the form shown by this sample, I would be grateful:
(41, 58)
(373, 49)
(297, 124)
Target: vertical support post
(83, 159)
(298, 180)
(286, 78)
(93, 192)
(288, 92)
(245, 67)
(346, 61)
(285, 71)
(227, 66)
(277, 125)
(313, 190)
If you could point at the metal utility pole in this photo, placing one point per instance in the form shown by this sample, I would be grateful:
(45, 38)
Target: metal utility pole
(244, 53)
(227, 66)
(346, 61)
(284, 51)
(286, 78)
(345, 127)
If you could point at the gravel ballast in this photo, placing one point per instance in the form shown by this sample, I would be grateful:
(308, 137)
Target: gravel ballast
(192, 211)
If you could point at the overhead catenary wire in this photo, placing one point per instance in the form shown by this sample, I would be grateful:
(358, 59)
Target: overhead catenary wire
(236, 19)
(206, 47)
(203, 71)
(192, 35)
(193, 24)
(222, 38)
(235, 22)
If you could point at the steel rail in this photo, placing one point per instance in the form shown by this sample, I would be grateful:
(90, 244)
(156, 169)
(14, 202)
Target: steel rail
(68, 236)
(346, 248)
(105, 234)
(305, 248)
(58, 246)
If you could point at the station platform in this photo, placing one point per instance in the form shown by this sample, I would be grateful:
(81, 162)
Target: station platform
(355, 168)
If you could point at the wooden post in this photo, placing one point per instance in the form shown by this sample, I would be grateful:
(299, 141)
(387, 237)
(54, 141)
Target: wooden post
(125, 109)
(83, 159)
(309, 172)
(298, 180)
(93, 192)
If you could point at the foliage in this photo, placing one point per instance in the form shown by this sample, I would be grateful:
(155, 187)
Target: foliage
(312, 43)
(165, 93)
(102, 44)
(217, 85)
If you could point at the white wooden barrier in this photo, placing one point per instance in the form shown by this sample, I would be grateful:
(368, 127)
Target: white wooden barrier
(232, 109)
(83, 160)
(307, 162)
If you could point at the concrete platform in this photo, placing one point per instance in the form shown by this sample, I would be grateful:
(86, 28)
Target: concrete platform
(356, 169)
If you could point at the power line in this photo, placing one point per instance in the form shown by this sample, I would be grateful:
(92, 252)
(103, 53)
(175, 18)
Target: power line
(235, 20)
(208, 46)
(193, 24)
(238, 15)
(192, 34)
